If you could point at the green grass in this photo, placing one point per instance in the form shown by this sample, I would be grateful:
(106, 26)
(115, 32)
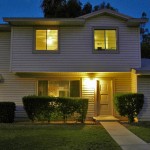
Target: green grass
(141, 129)
(55, 137)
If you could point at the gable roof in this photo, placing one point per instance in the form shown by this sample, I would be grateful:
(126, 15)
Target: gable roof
(106, 12)
(79, 21)
(130, 20)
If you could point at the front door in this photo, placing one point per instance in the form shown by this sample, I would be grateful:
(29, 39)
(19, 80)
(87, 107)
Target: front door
(104, 97)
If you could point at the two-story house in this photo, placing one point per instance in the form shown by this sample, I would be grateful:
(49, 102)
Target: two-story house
(93, 56)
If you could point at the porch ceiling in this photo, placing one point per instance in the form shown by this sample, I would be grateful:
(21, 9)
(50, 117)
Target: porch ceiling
(68, 74)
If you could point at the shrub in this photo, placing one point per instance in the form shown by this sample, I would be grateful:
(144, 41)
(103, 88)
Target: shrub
(82, 109)
(67, 106)
(44, 108)
(39, 107)
(7, 112)
(70, 106)
(129, 105)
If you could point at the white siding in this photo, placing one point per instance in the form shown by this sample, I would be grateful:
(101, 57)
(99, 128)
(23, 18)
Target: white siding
(121, 84)
(144, 87)
(13, 88)
(89, 93)
(76, 45)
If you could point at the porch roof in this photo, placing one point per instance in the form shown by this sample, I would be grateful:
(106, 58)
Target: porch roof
(145, 67)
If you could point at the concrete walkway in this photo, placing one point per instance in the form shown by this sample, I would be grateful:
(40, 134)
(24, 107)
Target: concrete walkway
(126, 139)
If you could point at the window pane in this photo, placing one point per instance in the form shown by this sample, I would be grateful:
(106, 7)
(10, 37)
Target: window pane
(75, 88)
(40, 39)
(58, 88)
(43, 88)
(110, 39)
(52, 39)
(99, 39)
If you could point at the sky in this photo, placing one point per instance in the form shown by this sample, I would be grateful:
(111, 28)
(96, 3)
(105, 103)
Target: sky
(31, 8)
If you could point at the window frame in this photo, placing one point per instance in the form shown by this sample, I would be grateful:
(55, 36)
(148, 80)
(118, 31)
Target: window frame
(46, 51)
(57, 79)
(108, 51)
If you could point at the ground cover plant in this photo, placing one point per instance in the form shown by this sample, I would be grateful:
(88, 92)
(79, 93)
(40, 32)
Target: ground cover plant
(55, 137)
(141, 129)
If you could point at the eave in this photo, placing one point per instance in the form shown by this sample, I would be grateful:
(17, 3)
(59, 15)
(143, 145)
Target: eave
(5, 27)
(136, 21)
(45, 21)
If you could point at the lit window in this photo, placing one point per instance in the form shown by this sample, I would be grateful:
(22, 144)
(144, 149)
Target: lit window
(63, 88)
(47, 40)
(105, 39)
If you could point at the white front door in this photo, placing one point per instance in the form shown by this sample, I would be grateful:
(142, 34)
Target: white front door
(104, 97)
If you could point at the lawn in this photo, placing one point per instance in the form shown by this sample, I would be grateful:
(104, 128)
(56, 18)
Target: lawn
(141, 129)
(55, 137)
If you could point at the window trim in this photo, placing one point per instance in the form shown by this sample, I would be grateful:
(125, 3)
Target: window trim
(45, 51)
(106, 51)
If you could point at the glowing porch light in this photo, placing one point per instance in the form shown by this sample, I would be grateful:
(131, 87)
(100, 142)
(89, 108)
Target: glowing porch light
(90, 83)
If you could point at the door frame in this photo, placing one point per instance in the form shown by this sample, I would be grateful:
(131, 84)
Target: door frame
(97, 94)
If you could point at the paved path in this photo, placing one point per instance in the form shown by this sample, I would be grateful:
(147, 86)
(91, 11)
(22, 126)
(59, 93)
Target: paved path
(126, 139)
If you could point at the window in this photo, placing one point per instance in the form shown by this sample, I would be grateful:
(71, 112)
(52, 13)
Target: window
(105, 39)
(63, 88)
(46, 40)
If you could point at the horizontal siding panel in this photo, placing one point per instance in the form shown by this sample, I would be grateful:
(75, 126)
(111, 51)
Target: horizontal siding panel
(88, 93)
(144, 87)
(123, 84)
(13, 88)
(76, 49)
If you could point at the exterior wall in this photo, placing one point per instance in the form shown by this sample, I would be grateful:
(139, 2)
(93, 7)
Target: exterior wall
(13, 88)
(121, 84)
(76, 49)
(144, 87)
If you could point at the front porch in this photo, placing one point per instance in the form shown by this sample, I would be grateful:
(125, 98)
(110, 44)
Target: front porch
(99, 88)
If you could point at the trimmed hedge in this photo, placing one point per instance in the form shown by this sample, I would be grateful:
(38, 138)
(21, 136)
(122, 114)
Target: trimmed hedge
(39, 107)
(129, 105)
(43, 108)
(7, 112)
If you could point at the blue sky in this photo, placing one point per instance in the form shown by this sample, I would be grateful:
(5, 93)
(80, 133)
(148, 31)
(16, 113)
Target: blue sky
(31, 8)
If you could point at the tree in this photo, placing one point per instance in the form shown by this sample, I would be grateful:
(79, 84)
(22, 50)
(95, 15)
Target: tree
(70, 8)
(74, 8)
(104, 5)
(87, 8)
(145, 39)
(50, 7)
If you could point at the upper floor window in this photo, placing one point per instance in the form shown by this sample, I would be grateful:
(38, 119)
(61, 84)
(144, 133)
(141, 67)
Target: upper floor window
(46, 39)
(105, 39)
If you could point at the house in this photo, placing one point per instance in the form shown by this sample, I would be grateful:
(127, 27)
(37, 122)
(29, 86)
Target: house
(93, 56)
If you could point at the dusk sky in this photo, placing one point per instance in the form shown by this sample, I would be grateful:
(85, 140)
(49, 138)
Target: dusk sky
(31, 8)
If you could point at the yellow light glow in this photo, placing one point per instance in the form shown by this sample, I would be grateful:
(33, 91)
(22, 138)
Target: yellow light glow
(90, 83)
(50, 41)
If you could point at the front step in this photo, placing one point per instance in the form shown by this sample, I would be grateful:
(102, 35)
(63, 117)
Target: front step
(105, 119)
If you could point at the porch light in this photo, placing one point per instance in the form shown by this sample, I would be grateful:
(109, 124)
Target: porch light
(90, 83)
